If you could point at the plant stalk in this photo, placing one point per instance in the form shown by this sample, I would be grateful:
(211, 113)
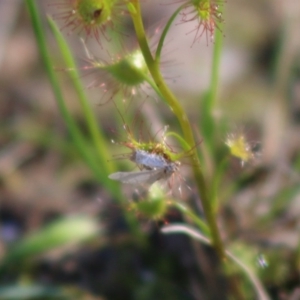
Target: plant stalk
(179, 112)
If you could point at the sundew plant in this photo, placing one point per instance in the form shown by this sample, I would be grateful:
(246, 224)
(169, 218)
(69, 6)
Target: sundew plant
(170, 155)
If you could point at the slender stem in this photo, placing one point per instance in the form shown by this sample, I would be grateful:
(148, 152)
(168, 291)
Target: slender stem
(153, 85)
(94, 129)
(79, 140)
(165, 31)
(176, 228)
(184, 123)
(214, 81)
(209, 101)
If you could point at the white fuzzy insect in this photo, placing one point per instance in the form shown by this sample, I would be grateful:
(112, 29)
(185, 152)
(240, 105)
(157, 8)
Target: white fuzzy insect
(153, 166)
(149, 161)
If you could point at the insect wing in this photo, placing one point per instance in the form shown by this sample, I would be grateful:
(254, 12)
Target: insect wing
(147, 177)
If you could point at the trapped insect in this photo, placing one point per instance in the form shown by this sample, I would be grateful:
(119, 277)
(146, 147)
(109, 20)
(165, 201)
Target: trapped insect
(146, 177)
(150, 161)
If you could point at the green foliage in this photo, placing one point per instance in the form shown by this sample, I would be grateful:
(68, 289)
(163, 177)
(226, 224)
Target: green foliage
(213, 187)
(60, 233)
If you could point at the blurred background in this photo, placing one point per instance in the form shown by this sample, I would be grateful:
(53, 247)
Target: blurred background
(63, 235)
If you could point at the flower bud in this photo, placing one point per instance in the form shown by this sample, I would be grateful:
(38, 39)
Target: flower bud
(90, 17)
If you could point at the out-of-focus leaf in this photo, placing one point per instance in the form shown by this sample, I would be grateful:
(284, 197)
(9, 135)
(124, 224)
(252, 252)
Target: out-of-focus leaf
(70, 230)
(79, 139)
(17, 292)
(96, 132)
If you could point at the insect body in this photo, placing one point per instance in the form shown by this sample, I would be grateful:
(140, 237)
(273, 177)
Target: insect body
(153, 167)
(149, 161)
(156, 160)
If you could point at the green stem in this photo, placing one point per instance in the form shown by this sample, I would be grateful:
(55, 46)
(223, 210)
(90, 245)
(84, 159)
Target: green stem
(209, 100)
(165, 31)
(73, 128)
(214, 81)
(186, 211)
(89, 116)
(184, 123)
(78, 138)
(259, 288)
(153, 85)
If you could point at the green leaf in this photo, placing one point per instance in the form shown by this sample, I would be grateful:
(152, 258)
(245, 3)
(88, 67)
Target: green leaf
(65, 231)
(17, 292)
(79, 141)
